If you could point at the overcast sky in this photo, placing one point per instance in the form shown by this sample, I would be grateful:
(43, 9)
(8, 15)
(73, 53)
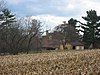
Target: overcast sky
(53, 12)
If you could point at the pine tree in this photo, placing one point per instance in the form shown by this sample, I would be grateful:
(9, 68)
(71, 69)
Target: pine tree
(6, 20)
(91, 29)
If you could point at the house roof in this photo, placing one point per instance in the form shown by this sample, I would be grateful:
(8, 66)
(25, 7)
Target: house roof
(50, 43)
(52, 40)
(77, 43)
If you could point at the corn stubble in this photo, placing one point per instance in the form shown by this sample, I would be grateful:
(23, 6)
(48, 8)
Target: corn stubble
(55, 63)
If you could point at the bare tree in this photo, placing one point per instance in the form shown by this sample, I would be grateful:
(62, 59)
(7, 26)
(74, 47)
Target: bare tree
(32, 30)
(29, 29)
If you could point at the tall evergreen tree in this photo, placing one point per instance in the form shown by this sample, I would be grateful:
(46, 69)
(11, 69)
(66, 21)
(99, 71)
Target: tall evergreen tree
(91, 29)
(6, 19)
(72, 22)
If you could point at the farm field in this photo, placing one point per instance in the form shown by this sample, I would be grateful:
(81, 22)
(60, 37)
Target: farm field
(85, 62)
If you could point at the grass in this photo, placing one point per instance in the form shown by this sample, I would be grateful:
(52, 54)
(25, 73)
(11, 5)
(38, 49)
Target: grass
(85, 62)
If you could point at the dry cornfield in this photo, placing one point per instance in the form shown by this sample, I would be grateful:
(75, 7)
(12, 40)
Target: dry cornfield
(85, 62)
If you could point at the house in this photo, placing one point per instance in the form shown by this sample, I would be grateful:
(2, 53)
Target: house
(78, 45)
(53, 41)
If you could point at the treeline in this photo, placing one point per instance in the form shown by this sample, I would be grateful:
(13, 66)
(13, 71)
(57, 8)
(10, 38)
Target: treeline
(88, 32)
(16, 34)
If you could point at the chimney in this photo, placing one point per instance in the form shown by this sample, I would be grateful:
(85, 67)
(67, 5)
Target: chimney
(46, 32)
